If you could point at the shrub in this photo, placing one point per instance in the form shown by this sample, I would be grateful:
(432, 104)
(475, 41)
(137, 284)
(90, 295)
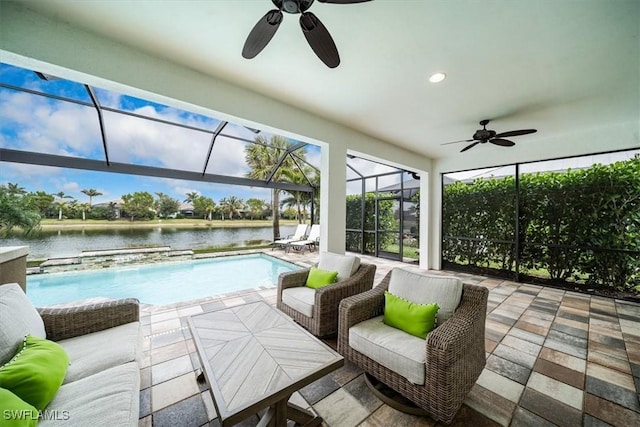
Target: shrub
(582, 225)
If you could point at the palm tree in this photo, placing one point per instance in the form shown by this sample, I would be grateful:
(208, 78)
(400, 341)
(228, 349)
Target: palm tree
(231, 205)
(299, 199)
(91, 192)
(15, 188)
(210, 206)
(61, 204)
(261, 158)
(85, 207)
(191, 197)
(221, 207)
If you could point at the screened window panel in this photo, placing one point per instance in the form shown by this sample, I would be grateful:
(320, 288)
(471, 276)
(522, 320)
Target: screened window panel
(145, 142)
(369, 168)
(354, 187)
(28, 79)
(228, 158)
(238, 131)
(44, 125)
(471, 175)
(351, 174)
(370, 185)
(313, 155)
(154, 110)
(389, 184)
(562, 165)
(137, 131)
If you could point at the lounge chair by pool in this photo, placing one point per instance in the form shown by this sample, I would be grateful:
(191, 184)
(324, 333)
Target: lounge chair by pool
(299, 234)
(311, 242)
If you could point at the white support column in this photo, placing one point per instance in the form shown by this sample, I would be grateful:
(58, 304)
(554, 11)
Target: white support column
(425, 216)
(333, 193)
(435, 213)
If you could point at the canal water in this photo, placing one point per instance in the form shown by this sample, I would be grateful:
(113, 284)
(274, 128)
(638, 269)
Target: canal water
(67, 243)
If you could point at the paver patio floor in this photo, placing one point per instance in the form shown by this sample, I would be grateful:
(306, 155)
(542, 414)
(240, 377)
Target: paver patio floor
(553, 358)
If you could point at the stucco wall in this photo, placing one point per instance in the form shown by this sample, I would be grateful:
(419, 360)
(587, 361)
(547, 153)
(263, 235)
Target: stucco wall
(13, 265)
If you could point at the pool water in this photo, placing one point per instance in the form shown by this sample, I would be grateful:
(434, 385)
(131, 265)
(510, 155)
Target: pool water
(160, 284)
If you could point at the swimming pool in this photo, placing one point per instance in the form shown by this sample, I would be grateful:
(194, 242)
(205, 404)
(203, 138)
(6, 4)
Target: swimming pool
(160, 284)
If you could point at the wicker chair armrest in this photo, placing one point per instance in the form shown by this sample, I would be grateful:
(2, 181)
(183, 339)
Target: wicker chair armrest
(363, 306)
(292, 279)
(360, 282)
(356, 309)
(69, 322)
(465, 329)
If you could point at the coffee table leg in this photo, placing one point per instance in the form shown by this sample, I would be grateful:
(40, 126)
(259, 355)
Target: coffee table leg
(267, 418)
(302, 416)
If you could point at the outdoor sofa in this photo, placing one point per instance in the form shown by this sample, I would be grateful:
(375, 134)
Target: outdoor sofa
(103, 344)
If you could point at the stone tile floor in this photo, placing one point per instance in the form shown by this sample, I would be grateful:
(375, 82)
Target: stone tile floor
(553, 358)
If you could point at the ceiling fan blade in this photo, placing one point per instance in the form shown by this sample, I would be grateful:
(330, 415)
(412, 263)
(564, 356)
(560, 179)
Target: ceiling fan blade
(502, 142)
(470, 146)
(455, 142)
(319, 39)
(262, 33)
(515, 133)
(343, 1)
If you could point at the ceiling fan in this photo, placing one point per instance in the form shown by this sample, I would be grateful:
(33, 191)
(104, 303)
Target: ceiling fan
(486, 135)
(315, 32)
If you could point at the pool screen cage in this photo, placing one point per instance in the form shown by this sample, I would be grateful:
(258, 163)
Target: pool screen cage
(561, 221)
(176, 144)
(382, 210)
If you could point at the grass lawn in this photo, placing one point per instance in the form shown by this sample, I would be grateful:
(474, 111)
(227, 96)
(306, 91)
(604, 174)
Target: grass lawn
(409, 251)
(54, 224)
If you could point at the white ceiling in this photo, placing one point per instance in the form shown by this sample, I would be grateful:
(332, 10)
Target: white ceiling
(559, 66)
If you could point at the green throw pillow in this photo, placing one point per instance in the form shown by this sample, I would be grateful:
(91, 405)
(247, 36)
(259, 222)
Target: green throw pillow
(415, 319)
(318, 278)
(15, 412)
(36, 372)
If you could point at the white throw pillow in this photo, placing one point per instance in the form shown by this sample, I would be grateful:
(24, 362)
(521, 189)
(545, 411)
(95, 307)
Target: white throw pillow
(421, 288)
(345, 265)
(18, 318)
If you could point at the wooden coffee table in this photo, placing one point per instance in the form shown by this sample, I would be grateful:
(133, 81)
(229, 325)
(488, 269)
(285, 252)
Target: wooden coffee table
(254, 357)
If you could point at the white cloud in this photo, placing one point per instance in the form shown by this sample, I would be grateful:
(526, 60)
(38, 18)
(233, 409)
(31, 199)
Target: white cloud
(38, 124)
(32, 177)
(71, 187)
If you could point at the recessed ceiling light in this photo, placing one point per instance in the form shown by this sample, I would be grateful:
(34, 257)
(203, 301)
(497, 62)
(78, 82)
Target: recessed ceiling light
(437, 77)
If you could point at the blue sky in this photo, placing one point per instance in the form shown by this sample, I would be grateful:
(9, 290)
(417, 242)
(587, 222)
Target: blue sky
(36, 123)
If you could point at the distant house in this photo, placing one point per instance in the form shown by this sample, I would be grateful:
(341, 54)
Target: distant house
(186, 209)
(116, 205)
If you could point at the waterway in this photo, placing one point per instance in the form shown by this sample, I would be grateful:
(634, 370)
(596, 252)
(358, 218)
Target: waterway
(68, 243)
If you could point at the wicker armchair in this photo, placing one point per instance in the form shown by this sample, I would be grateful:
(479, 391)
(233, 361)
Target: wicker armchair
(455, 352)
(67, 322)
(324, 318)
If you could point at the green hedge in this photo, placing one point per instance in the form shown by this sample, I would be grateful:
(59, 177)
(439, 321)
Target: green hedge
(582, 225)
(354, 221)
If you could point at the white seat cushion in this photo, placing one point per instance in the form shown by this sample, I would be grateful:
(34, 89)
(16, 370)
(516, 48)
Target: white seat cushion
(300, 298)
(421, 288)
(390, 347)
(108, 398)
(92, 353)
(345, 265)
(18, 318)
